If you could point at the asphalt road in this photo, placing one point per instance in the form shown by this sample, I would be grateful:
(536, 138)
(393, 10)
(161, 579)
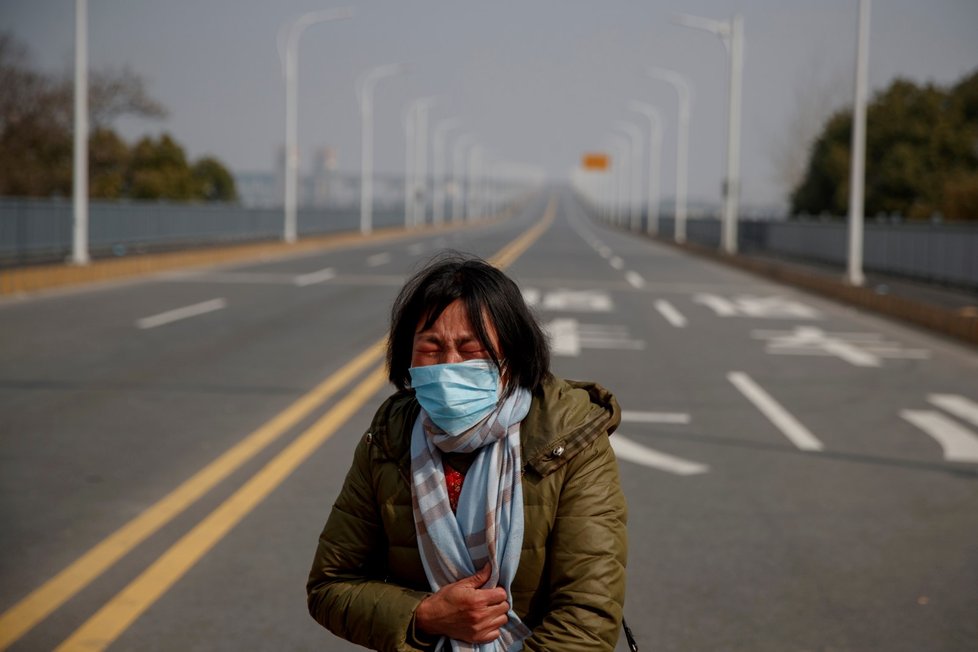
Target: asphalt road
(800, 476)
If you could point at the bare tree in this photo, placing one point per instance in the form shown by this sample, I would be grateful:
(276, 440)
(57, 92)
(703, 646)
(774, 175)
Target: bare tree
(817, 96)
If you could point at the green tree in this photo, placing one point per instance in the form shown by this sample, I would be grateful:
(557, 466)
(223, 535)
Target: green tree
(36, 138)
(214, 182)
(921, 154)
(108, 164)
(159, 170)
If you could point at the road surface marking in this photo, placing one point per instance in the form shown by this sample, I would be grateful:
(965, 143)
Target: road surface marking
(177, 314)
(569, 300)
(120, 612)
(959, 406)
(958, 443)
(43, 601)
(568, 337)
(635, 279)
(314, 277)
(672, 315)
(780, 417)
(378, 259)
(40, 603)
(773, 307)
(654, 417)
(617, 263)
(858, 349)
(604, 251)
(191, 276)
(626, 449)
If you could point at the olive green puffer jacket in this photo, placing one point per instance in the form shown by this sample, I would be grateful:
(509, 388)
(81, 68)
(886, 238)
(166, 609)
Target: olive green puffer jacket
(367, 577)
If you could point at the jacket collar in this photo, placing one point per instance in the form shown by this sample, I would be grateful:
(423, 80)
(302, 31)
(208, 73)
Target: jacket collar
(565, 416)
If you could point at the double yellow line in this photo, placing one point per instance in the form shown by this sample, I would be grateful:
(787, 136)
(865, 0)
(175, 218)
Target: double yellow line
(121, 611)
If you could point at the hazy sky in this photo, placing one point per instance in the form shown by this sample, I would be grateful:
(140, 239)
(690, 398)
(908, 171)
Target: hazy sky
(538, 81)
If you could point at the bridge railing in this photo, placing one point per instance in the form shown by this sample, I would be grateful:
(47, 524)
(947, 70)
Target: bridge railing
(941, 252)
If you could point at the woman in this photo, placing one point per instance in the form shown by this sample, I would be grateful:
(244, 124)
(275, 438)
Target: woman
(483, 509)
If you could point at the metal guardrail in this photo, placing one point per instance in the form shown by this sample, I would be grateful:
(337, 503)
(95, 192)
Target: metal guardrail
(33, 230)
(40, 230)
(939, 253)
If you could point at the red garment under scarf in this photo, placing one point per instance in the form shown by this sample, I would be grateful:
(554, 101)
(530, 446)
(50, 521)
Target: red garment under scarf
(453, 481)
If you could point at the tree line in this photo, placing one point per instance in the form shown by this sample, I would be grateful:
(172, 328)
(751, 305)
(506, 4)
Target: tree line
(921, 155)
(36, 138)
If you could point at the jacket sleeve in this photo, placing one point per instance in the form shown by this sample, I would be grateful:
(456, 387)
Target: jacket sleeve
(346, 590)
(587, 555)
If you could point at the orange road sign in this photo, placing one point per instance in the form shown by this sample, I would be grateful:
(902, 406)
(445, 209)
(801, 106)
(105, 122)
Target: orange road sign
(595, 161)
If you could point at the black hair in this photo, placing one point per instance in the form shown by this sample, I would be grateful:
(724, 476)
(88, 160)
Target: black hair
(487, 293)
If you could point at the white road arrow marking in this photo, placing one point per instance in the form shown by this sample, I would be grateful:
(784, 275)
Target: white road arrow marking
(858, 349)
(564, 339)
(774, 307)
(181, 313)
(569, 300)
(568, 337)
(628, 450)
(958, 443)
(959, 406)
(798, 434)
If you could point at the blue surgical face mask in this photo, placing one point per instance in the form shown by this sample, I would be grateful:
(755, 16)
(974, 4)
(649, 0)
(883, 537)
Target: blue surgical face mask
(457, 395)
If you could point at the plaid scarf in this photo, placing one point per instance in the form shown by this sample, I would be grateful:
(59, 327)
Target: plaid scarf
(488, 525)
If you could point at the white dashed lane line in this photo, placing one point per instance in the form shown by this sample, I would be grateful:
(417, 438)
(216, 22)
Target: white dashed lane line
(672, 315)
(798, 434)
(177, 314)
(314, 277)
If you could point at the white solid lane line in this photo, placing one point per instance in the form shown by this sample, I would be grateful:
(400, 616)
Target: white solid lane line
(378, 259)
(314, 277)
(672, 315)
(181, 313)
(626, 449)
(635, 279)
(617, 263)
(959, 406)
(654, 417)
(959, 443)
(787, 424)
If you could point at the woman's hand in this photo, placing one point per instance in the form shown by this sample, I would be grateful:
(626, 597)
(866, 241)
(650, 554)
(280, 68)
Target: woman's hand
(463, 611)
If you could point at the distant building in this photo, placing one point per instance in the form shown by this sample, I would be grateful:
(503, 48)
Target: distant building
(323, 172)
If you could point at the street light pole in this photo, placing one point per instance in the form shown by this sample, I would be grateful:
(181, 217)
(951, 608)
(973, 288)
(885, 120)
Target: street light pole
(731, 32)
(79, 244)
(655, 160)
(857, 168)
(472, 175)
(684, 94)
(438, 164)
(409, 164)
(622, 146)
(421, 168)
(291, 112)
(635, 184)
(457, 150)
(365, 92)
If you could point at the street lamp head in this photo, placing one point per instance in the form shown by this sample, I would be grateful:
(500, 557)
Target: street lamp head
(367, 79)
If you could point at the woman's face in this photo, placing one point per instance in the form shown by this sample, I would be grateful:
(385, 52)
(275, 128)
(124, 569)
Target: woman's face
(450, 339)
